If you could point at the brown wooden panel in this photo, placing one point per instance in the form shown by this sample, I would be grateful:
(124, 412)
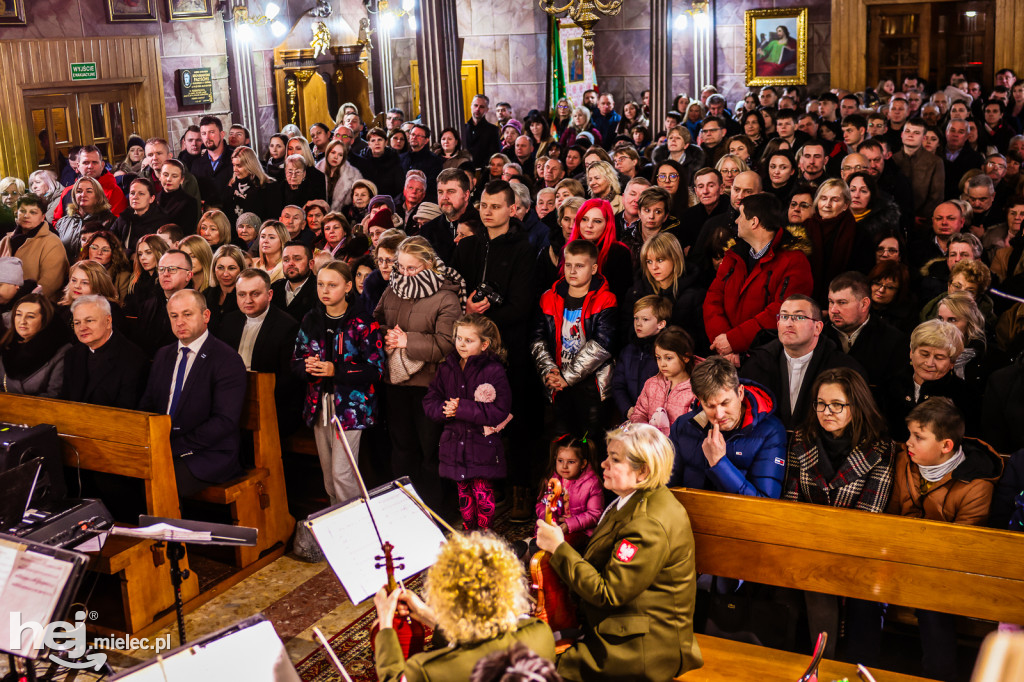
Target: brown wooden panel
(856, 533)
(78, 419)
(946, 590)
(133, 461)
(728, 660)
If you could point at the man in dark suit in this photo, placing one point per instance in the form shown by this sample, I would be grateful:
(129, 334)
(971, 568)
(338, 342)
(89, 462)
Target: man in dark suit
(295, 294)
(788, 365)
(879, 347)
(264, 336)
(105, 368)
(479, 135)
(200, 382)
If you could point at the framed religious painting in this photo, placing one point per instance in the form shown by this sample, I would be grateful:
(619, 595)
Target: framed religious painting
(12, 13)
(179, 10)
(776, 46)
(130, 11)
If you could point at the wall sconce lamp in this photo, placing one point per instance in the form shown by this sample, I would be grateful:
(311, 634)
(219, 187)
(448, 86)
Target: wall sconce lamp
(390, 16)
(700, 13)
(244, 23)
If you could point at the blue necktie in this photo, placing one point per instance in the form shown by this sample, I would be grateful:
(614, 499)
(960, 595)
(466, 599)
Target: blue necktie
(179, 382)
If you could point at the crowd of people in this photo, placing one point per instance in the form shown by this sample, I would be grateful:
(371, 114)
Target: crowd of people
(815, 298)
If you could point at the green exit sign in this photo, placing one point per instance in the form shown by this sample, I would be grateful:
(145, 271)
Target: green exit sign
(83, 71)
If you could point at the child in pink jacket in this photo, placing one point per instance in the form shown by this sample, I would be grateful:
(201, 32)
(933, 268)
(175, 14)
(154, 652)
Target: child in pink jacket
(582, 498)
(667, 395)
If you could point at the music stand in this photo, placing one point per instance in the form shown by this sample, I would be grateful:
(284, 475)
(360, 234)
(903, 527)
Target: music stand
(249, 650)
(220, 534)
(41, 579)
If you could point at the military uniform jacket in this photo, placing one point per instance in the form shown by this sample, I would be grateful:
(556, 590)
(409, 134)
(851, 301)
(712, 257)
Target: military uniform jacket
(455, 662)
(637, 581)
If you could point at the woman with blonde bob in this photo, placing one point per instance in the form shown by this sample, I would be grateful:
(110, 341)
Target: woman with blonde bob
(603, 183)
(637, 579)
(201, 254)
(664, 273)
(272, 237)
(475, 599)
(215, 228)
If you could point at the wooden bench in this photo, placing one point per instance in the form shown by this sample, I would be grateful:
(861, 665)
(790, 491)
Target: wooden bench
(257, 498)
(126, 443)
(963, 570)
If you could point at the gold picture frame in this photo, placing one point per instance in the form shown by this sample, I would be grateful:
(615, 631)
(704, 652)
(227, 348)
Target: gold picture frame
(776, 46)
(12, 13)
(183, 10)
(121, 12)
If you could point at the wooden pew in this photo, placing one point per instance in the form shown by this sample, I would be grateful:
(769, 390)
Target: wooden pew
(127, 443)
(258, 498)
(851, 553)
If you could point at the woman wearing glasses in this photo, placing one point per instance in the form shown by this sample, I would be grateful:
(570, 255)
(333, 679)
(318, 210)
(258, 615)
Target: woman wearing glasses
(671, 177)
(841, 457)
(636, 580)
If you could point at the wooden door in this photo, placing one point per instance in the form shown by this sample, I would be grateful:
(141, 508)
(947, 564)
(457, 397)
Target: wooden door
(899, 42)
(53, 121)
(107, 121)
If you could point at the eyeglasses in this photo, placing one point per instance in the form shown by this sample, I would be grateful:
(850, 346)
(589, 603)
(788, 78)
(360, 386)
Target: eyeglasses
(295, 171)
(102, 250)
(855, 169)
(889, 250)
(668, 177)
(410, 270)
(833, 407)
(783, 317)
(385, 262)
(885, 287)
(171, 269)
(711, 130)
(994, 164)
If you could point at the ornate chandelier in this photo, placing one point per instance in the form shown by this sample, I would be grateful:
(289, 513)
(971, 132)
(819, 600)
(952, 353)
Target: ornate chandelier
(582, 13)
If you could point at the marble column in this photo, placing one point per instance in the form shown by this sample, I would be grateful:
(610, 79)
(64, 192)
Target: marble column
(242, 79)
(380, 65)
(661, 63)
(440, 67)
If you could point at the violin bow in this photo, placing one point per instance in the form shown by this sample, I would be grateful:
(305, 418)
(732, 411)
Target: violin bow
(359, 477)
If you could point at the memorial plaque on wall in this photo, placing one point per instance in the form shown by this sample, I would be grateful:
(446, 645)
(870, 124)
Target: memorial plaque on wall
(196, 86)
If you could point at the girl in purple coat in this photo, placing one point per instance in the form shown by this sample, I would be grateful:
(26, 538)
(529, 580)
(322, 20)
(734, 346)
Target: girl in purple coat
(572, 462)
(471, 395)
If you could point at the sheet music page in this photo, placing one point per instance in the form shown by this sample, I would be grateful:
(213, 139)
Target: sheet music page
(254, 654)
(8, 553)
(350, 544)
(33, 589)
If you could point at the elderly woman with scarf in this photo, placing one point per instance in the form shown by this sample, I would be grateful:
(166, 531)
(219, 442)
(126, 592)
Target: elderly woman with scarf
(417, 314)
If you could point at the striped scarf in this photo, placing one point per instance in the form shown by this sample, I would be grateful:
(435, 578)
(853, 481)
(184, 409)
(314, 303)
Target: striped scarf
(427, 283)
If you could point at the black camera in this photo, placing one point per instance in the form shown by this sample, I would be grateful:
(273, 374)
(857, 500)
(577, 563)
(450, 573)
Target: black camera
(487, 291)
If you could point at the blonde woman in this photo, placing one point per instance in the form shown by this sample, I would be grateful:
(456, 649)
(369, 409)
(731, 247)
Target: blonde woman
(341, 176)
(44, 184)
(89, 278)
(228, 263)
(215, 228)
(88, 211)
(252, 190)
(475, 617)
(417, 313)
(729, 166)
(271, 240)
(603, 183)
(580, 124)
(638, 567)
(199, 251)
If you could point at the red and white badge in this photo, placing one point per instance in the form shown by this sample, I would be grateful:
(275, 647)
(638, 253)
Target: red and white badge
(625, 552)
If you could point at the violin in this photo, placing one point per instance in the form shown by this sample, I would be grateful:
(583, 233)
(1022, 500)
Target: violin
(554, 599)
(411, 634)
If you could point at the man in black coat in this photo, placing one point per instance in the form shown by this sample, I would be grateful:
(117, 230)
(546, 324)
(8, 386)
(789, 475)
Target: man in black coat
(264, 336)
(479, 136)
(958, 157)
(213, 168)
(296, 293)
(152, 328)
(453, 197)
(882, 349)
(105, 368)
(200, 382)
(788, 365)
(419, 157)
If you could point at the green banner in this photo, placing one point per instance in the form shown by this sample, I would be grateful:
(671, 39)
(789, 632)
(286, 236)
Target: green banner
(557, 74)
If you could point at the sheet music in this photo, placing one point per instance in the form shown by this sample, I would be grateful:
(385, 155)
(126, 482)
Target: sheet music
(254, 654)
(350, 544)
(33, 589)
(8, 553)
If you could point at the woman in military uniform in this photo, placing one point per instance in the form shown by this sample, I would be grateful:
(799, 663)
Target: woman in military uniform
(636, 579)
(475, 594)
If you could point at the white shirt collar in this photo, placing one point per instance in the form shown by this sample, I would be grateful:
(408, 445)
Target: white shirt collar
(258, 320)
(195, 345)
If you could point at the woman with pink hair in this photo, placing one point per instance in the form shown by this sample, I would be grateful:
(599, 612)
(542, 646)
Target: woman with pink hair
(595, 222)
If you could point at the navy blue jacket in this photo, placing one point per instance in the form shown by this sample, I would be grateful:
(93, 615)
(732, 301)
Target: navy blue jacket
(205, 432)
(634, 366)
(755, 457)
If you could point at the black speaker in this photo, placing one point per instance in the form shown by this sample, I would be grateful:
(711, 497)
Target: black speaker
(20, 443)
